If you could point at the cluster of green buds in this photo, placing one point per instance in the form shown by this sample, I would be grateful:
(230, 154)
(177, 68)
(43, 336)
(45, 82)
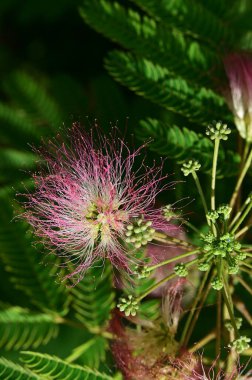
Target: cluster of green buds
(221, 214)
(169, 212)
(226, 247)
(230, 327)
(142, 271)
(139, 233)
(128, 305)
(181, 270)
(240, 344)
(190, 167)
(218, 131)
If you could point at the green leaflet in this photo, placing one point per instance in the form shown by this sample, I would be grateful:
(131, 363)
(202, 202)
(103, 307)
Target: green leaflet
(156, 84)
(147, 38)
(93, 298)
(182, 143)
(13, 162)
(11, 371)
(23, 263)
(191, 17)
(21, 328)
(50, 367)
(90, 353)
(32, 96)
(33, 112)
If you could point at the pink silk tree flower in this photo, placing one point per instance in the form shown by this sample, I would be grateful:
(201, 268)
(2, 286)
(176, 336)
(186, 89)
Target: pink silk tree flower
(87, 199)
(238, 67)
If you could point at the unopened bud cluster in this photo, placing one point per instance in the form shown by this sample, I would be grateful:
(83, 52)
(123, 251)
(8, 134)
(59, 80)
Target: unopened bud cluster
(190, 167)
(128, 305)
(221, 214)
(225, 247)
(139, 233)
(181, 270)
(218, 131)
(169, 212)
(142, 271)
(229, 326)
(240, 344)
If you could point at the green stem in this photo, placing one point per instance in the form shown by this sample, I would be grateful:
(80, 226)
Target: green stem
(225, 293)
(242, 231)
(193, 307)
(243, 216)
(218, 326)
(246, 265)
(163, 238)
(203, 342)
(190, 225)
(214, 168)
(240, 179)
(151, 268)
(156, 285)
(245, 285)
(199, 188)
(239, 213)
(246, 150)
(196, 315)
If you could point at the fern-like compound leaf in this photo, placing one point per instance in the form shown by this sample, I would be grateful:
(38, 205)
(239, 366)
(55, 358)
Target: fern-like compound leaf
(20, 328)
(53, 368)
(181, 143)
(22, 261)
(156, 84)
(13, 371)
(148, 39)
(93, 298)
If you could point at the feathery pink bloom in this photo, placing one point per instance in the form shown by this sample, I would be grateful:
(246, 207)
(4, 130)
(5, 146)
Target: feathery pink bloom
(238, 67)
(86, 198)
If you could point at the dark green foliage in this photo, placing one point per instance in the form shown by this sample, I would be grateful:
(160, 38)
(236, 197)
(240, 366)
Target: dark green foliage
(146, 38)
(10, 370)
(93, 298)
(192, 17)
(182, 144)
(20, 328)
(50, 367)
(23, 262)
(155, 83)
(33, 112)
(90, 353)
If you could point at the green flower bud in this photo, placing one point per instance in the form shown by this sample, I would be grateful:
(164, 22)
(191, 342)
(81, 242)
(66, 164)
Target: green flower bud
(224, 211)
(233, 268)
(203, 266)
(190, 166)
(218, 131)
(240, 344)
(128, 305)
(208, 238)
(181, 270)
(142, 271)
(168, 212)
(212, 216)
(139, 233)
(217, 283)
(241, 256)
(229, 326)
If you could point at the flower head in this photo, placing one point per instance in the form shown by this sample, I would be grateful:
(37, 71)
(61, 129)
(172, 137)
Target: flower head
(238, 67)
(88, 196)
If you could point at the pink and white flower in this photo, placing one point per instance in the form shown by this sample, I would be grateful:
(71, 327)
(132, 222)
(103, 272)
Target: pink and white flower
(238, 67)
(88, 195)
